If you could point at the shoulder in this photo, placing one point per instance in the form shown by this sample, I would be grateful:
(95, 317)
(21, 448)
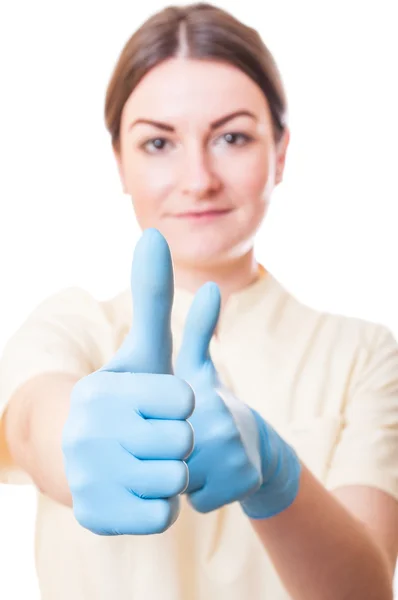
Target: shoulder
(70, 300)
(71, 315)
(331, 328)
(79, 304)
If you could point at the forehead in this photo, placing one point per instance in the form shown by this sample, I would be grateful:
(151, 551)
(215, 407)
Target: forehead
(186, 88)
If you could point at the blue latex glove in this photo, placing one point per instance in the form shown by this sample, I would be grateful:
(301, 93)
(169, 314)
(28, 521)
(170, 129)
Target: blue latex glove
(237, 455)
(127, 435)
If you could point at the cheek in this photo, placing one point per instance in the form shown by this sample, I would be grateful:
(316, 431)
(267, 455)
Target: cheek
(251, 175)
(250, 183)
(149, 186)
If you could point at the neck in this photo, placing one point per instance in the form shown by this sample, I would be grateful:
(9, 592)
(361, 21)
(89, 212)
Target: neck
(230, 277)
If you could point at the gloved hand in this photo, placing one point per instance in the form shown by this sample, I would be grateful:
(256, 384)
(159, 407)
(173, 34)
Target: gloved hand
(127, 435)
(237, 455)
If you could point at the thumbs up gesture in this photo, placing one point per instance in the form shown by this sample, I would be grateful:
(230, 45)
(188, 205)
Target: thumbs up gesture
(237, 455)
(127, 436)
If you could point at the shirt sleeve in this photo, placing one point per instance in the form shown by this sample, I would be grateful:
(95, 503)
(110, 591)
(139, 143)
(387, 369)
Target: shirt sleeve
(68, 332)
(367, 451)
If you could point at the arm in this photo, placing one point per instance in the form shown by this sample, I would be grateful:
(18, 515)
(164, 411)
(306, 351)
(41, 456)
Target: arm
(64, 338)
(320, 550)
(378, 511)
(363, 474)
(33, 424)
(318, 547)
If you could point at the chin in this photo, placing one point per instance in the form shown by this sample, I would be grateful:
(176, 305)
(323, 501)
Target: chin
(205, 254)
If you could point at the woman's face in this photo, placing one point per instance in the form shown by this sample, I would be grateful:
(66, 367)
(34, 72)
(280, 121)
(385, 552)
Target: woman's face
(198, 158)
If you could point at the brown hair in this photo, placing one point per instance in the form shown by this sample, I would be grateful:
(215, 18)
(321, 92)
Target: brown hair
(197, 31)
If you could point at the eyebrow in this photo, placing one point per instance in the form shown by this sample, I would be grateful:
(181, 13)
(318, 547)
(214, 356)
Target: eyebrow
(214, 125)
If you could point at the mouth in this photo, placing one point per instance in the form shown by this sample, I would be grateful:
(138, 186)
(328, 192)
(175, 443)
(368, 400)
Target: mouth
(203, 215)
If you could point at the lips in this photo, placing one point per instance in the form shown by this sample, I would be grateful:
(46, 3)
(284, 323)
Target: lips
(203, 214)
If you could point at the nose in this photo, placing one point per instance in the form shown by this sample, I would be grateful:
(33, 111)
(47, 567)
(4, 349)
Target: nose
(198, 178)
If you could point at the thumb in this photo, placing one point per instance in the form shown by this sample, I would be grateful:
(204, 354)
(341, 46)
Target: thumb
(147, 347)
(199, 329)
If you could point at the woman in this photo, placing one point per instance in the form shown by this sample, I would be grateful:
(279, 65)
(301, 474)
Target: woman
(285, 484)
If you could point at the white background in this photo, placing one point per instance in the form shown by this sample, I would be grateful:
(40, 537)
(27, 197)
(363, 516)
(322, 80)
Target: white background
(331, 234)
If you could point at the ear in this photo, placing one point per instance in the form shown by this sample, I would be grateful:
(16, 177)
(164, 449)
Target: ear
(281, 150)
(118, 158)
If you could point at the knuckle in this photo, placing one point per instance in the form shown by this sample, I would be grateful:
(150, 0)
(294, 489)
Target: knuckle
(186, 397)
(162, 516)
(185, 439)
(203, 504)
(178, 477)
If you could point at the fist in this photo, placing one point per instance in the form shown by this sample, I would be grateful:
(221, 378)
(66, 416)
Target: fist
(238, 456)
(126, 438)
(225, 464)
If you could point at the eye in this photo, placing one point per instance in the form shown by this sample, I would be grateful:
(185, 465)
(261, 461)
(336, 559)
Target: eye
(235, 139)
(154, 145)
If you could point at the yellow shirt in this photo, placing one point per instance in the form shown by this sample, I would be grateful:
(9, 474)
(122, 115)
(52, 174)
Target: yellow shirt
(327, 383)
